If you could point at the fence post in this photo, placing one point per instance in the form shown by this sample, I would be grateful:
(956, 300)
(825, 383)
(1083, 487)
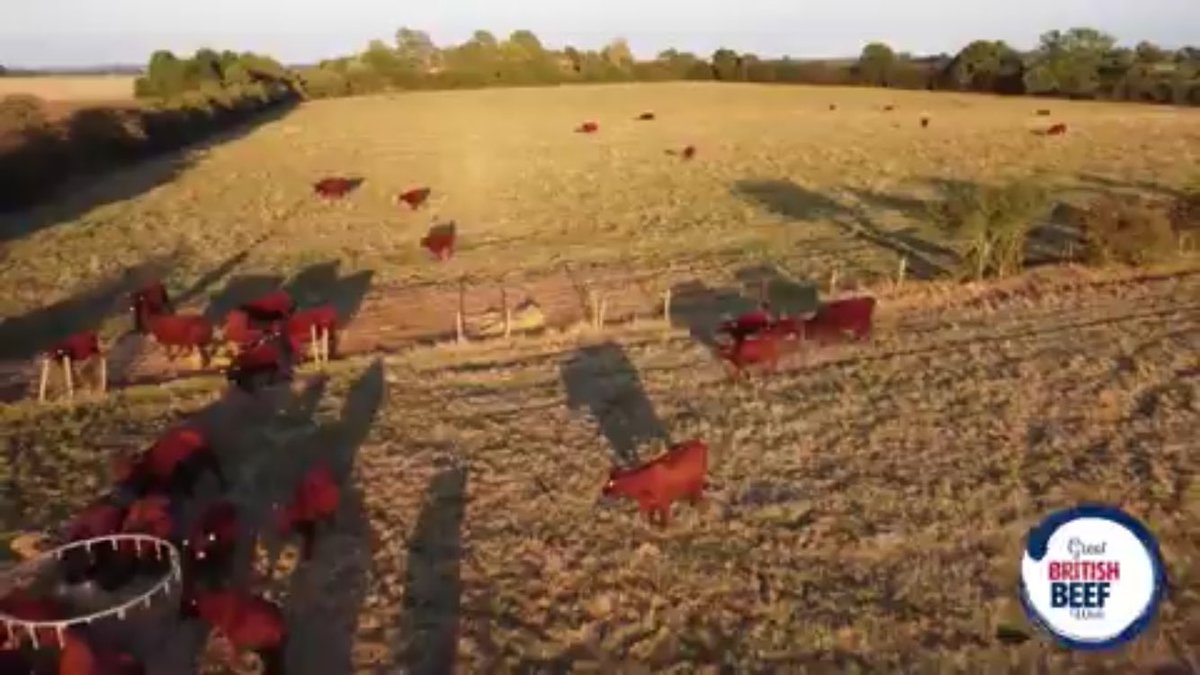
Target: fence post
(833, 280)
(667, 306)
(600, 312)
(507, 312)
(901, 271)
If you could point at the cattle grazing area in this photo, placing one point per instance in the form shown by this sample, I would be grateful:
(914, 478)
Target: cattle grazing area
(475, 389)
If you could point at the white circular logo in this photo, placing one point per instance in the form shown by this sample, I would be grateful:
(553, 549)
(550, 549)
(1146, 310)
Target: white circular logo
(1092, 576)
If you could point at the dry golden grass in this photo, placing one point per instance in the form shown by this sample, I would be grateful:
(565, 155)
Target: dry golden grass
(868, 506)
(777, 176)
(80, 88)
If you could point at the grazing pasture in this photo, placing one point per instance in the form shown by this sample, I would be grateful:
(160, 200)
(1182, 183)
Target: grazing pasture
(81, 88)
(866, 504)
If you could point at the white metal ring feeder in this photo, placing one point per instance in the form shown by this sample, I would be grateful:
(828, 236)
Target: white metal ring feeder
(23, 574)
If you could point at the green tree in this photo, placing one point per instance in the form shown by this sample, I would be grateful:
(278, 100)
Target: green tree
(1069, 63)
(1148, 52)
(727, 65)
(387, 64)
(416, 50)
(876, 64)
(986, 66)
(165, 76)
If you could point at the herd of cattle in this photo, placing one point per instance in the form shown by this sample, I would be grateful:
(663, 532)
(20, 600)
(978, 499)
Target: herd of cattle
(151, 494)
(265, 336)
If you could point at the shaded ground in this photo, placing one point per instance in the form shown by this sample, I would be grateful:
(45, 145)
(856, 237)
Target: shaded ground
(856, 496)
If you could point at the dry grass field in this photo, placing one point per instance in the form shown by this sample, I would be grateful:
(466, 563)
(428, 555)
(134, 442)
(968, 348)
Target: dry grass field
(868, 503)
(80, 88)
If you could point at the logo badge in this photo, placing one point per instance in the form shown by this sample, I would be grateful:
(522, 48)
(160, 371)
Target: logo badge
(1092, 576)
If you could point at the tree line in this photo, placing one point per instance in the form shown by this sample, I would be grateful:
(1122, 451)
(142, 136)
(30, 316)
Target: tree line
(1081, 63)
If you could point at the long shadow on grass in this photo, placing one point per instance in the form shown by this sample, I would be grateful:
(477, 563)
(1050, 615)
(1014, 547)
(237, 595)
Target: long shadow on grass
(701, 308)
(602, 379)
(48, 166)
(316, 284)
(328, 593)
(788, 199)
(24, 337)
(429, 621)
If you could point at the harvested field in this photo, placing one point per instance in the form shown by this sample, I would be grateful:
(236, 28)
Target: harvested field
(90, 89)
(868, 503)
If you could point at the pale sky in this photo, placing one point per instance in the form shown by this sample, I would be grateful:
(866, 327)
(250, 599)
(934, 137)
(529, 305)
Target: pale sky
(87, 32)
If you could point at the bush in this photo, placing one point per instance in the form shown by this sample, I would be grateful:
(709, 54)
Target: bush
(1125, 230)
(99, 136)
(992, 223)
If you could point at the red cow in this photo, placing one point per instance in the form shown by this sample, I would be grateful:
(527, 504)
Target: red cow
(261, 364)
(646, 117)
(924, 122)
(249, 621)
(763, 350)
(80, 657)
(181, 333)
(414, 197)
(238, 329)
(149, 515)
(1057, 130)
(24, 606)
(172, 465)
(336, 187)
(678, 473)
(315, 327)
(150, 300)
(587, 128)
(274, 306)
(440, 239)
(315, 501)
(78, 347)
(834, 320)
(747, 325)
(689, 152)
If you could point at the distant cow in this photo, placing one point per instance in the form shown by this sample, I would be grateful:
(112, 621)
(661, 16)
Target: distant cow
(646, 117)
(689, 152)
(833, 106)
(336, 187)
(1043, 112)
(1057, 130)
(679, 473)
(414, 198)
(440, 239)
(925, 122)
(587, 128)
(889, 108)
(841, 318)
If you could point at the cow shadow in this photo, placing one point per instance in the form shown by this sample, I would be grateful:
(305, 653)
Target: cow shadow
(602, 380)
(429, 619)
(321, 632)
(925, 260)
(316, 284)
(25, 336)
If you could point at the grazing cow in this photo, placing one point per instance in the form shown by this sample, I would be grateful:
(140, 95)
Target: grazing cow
(763, 350)
(78, 348)
(181, 334)
(250, 622)
(414, 198)
(262, 364)
(689, 152)
(833, 106)
(274, 306)
(239, 329)
(336, 187)
(1057, 130)
(171, 466)
(150, 300)
(314, 502)
(835, 320)
(24, 606)
(889, 108)
(1043, 112)
(212, 540)
(315, 327)
(645, 117)
(678, 473)
(440, 239)
(925, 122)
(80, 657)
(587, 128)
